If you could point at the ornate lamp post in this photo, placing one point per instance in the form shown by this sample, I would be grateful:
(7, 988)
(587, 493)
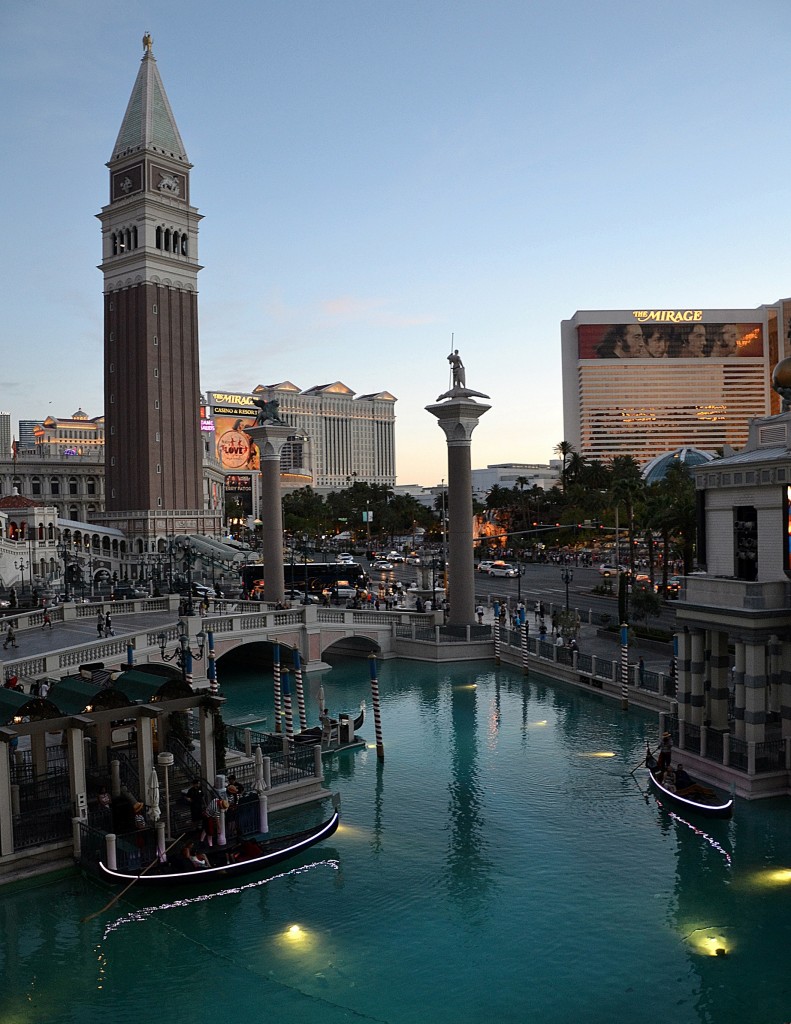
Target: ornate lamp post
(182, 654)
(65, 556)
(567, 575)
(21, 565)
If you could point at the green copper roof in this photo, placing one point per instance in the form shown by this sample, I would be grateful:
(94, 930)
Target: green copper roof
(148, 122)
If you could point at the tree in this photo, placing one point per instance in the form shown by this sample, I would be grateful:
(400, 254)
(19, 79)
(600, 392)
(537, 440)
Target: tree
(627, 489)
(564, 449)
(645, 603)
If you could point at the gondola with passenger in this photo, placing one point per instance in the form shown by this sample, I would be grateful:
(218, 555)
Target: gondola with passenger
(684, 792)
(183, 866)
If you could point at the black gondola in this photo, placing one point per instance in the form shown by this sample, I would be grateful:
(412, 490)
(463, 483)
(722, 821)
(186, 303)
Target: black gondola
(244, 857)
(707, 802)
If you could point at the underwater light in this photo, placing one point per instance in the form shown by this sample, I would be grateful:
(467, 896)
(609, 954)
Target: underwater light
(710, 942)
(598, 753)
(773, 876)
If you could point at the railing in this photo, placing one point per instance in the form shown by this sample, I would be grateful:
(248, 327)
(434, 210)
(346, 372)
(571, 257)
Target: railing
(47, 825)
(739, 754)
(770, 756)
(127, 766)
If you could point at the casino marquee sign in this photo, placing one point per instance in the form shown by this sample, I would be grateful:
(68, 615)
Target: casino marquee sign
(668, 316)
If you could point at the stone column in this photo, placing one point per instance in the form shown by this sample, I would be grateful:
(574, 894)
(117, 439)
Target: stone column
(738, 689)
(682, 674)
(458, 417)
(270, 438)
(785, 687)
(755, 692)
(719, 666)
(6, 808)
(696, 674)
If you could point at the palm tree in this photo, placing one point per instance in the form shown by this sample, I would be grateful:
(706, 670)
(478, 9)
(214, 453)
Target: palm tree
(563, 449)
(627, 487)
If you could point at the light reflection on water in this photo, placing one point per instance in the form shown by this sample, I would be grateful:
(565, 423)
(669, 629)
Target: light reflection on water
(502, 862)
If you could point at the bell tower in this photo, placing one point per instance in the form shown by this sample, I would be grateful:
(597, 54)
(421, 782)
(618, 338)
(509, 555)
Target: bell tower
(153, 450)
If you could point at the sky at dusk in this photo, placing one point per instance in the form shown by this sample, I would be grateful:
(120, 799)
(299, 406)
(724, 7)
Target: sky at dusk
(377, 177)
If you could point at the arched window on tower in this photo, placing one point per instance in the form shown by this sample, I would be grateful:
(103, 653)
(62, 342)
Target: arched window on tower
(35, 485)
(128, 239)
(90, 485)
(134, 237)
(54, 485)
(115, 244)
(167, 239)
(73, 485)
(41, 531)
(184, 244)
(175, 241)
(50, 532)
(159, 238)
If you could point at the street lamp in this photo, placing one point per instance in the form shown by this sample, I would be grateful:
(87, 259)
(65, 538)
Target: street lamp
(65, 557)
(21, 565)
(567, 575)
(182, 654)
(188, 552)
(305, 560)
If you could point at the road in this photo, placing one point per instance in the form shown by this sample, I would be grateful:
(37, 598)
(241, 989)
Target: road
(539, 581)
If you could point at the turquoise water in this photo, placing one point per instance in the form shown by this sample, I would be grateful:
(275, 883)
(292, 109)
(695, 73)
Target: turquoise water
(501, 863)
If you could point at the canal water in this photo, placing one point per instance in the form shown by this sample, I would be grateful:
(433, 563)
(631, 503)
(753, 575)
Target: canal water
(502, 863)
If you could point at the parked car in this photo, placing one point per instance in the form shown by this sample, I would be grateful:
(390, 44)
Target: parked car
(298, 597)
(503, 569)
(126, 592)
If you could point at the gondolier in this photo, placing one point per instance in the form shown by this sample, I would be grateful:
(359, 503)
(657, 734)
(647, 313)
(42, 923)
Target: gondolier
(665, 752)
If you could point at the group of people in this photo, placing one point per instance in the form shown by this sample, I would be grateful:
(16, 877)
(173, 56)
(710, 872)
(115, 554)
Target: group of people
(205, 815)
(676, 780)
(104, 625)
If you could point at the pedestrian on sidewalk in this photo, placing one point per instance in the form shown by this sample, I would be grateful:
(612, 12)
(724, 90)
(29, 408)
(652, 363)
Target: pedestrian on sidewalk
(108, 625)
(46, 621)
(10, 637)
(641, 671)
(100, 625)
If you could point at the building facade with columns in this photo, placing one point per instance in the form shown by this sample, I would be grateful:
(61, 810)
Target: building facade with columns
(734, 620)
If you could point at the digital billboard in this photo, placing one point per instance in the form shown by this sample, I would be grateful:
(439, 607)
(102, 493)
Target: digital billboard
(687, 339)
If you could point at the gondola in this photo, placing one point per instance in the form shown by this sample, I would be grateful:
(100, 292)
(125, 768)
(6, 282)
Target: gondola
(246, 856)
(713, 806)
(314, 736)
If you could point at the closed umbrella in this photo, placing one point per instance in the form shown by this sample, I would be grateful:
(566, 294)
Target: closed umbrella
(153, 796)
(322, 705)
(259, 786)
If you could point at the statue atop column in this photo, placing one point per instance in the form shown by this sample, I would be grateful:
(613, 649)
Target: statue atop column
(270, 412)
(459, 387)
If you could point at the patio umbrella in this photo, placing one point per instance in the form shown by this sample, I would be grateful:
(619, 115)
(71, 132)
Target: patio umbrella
(153, 796)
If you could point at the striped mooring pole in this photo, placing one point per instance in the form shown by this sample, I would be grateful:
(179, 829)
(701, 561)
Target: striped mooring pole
(523, 628)
(380, 747)
(286, 684)
(211, 668)
(624, 666)
(276, 674)
(303, 721)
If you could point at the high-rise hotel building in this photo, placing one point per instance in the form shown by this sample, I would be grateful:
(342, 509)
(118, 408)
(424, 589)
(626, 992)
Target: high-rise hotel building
(642, 382)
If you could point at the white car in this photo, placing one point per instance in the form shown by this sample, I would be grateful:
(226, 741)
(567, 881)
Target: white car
(611, 570)
(344, 556)
(412, 560)
(484, 566)
(503, 569)
(383, 566)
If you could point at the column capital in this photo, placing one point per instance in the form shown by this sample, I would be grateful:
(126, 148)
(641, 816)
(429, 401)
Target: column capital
(270, 438)
(458, 417)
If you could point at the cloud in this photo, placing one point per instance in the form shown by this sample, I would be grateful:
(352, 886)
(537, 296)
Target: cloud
(371, 313)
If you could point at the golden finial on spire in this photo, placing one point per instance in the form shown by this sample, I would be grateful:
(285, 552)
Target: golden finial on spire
(148, 43)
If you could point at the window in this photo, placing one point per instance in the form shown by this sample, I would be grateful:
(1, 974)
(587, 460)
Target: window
(35, 485)
(156, 372)
(54, 485)
(154, 309)
(73, 485)
(90, 485)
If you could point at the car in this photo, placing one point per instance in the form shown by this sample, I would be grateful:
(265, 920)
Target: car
(298, 597)
(485, 566)
(383, 566)
(126, 592)
(201, 590)
(503, 569)
(673, 588)
(395, 557)
(343, 591)
(610, 570)
(344, 556)
(413, 560)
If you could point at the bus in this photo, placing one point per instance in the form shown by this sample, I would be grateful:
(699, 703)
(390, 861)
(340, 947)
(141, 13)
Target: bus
(319, 577)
